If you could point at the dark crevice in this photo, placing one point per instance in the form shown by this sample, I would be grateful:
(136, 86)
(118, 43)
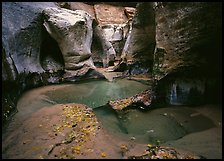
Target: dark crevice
(50, 50)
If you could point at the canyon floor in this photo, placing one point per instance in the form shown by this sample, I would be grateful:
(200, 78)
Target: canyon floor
(74, 131)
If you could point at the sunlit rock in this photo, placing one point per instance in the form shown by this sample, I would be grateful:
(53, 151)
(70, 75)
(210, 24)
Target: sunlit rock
(140, 43)
(73, 32)
(142, 99)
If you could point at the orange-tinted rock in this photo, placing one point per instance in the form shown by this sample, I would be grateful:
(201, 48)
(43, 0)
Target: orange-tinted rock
(108, 14)
(144, 98)
(130, 12)
(82, 6)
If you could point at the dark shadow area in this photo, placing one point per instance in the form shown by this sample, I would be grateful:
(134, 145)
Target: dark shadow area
(50, 51)
(203, 89)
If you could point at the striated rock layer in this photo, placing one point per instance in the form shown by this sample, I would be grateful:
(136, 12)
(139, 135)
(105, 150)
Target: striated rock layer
(187, 57)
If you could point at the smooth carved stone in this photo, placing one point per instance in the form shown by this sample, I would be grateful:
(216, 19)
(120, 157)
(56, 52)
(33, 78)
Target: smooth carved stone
(73, 32)
(108, 50)
(140, 43)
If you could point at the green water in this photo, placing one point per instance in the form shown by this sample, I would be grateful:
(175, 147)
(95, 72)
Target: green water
(96, 93)
(155, 126)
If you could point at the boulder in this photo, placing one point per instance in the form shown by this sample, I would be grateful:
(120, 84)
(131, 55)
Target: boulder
(73, 32)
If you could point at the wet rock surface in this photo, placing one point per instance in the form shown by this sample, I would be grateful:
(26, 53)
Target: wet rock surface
(62, 133)
(186, 35)
(144, 98)
(73, 131)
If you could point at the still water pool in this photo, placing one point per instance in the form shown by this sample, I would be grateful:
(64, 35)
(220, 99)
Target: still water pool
(154, 126)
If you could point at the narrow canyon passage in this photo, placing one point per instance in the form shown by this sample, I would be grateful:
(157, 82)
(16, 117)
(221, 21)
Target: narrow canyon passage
(111, 80)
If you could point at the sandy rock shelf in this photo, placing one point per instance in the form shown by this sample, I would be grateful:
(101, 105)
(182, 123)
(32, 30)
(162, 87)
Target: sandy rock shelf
(69, 131)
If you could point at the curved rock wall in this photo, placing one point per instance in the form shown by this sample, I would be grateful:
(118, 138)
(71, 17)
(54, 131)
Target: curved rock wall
(188, 46)
(110, 32)
(73, 32)
(21, 46)
(140, 43)
(187, 35)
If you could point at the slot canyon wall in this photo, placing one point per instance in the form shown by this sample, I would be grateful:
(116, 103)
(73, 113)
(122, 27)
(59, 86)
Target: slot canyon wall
(179, 44)
(187, 59)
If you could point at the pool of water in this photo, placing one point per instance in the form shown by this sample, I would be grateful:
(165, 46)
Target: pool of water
(96, 93)
(155, 126)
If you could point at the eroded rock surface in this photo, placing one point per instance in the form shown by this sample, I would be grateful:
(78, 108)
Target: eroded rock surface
(110, 32)
(73, 32)
(21, 49)
(143, 98)
(140, 43)
(187, 36)
(188, 50)
(105, 14)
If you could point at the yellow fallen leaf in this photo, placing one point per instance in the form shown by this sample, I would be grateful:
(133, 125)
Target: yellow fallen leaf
(103, 154)
(76, 149)
(124, 147)
(149, 145)
(41, 157)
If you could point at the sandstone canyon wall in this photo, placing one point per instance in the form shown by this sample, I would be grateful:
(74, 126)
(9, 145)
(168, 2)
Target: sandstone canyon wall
(178, 43)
